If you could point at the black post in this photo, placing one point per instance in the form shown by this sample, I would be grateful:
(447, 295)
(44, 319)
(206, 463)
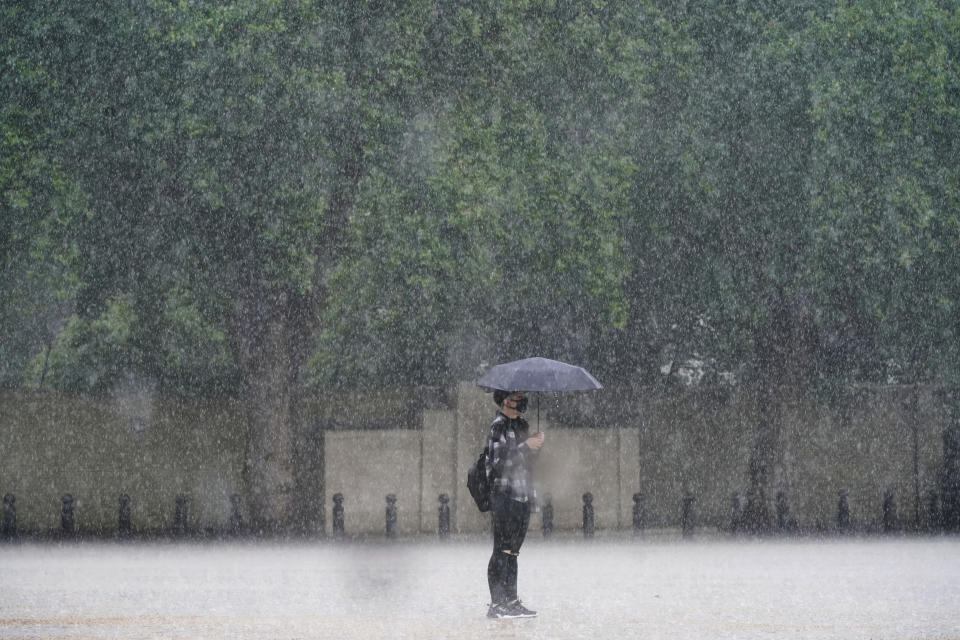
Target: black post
(639, 507)
(236, 514)
(391, 514)
(443, 516)
(950, 479)
(124, 524)
(338, 530)
(911, 408)
(9, 526)
(843, 511)
(68, 523)
(889, 511)
(783, 512)
(180, 515)
(736, 512)
(547, 515)
(687, 518)
(588, 518)
(934, 514)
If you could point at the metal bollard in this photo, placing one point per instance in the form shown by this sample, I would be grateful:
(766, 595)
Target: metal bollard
(180, 515)
(443, 516)
(124, 525)
(950, 472)
(391, 514)
(934, 514)
(736, 512)
(588, 516)
(686, 518)
(338, 530)
(783, 512)
(889, 511)
(236, 514)
(639, 506)
(68, 523)
(9, 527)
(546, 523)
(843, 511)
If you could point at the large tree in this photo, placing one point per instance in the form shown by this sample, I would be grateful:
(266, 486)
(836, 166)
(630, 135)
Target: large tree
(747, 234)
(823, 195)
(407, 190)
(220, 148)
(887, 115)
(287, 108)
(886, 111)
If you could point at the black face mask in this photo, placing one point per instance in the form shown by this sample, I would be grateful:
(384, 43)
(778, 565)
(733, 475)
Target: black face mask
(520, 405)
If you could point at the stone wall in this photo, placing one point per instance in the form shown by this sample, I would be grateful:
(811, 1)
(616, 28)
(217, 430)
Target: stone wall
(668, 445)
(53, 444)
(612, 443)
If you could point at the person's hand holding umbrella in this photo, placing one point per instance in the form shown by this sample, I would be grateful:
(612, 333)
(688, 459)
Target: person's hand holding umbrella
(535, 441)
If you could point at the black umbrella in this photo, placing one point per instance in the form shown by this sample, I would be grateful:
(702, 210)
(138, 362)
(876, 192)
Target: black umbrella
(538, 374)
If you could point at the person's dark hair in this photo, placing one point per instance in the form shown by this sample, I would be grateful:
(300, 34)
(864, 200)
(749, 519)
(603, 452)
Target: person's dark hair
(499, 395)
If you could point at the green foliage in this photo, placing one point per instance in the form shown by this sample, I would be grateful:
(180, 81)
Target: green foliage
(209, 198)
(733, 237)
(886, 101)
(502, 237)
(413, 190)
(37, 198)
(88, 355)
(254, 164)
(100, 354)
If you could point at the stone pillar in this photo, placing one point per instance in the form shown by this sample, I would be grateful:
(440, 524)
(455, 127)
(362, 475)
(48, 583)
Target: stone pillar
(438, 450)
(474, 413)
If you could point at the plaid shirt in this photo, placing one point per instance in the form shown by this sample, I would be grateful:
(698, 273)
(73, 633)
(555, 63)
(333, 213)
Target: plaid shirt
(509, 460)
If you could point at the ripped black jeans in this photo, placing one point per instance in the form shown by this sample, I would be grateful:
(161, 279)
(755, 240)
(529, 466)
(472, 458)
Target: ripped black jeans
(510, 522)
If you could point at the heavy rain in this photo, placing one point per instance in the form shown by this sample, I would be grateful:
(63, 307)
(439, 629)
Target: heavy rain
(261, 262)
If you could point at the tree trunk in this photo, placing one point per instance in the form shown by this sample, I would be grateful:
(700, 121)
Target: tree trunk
(272, 335)
(261, 333)
(782, 359)
(757, 515)
(268, 463)
(950, 475)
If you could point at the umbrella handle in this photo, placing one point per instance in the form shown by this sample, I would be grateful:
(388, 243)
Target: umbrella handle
(538, 413)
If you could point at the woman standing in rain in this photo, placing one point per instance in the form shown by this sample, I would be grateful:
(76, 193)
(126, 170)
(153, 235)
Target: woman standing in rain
(511, 451)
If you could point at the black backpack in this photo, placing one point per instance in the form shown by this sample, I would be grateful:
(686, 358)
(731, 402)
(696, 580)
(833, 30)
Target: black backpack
(477, 482)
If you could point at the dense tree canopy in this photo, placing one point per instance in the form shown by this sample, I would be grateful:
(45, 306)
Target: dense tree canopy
(250, 197)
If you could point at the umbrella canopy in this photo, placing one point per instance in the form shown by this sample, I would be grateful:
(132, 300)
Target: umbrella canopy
(538, 374)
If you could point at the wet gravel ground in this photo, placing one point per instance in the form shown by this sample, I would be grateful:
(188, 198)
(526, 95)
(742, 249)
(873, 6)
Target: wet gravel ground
(422, 588)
